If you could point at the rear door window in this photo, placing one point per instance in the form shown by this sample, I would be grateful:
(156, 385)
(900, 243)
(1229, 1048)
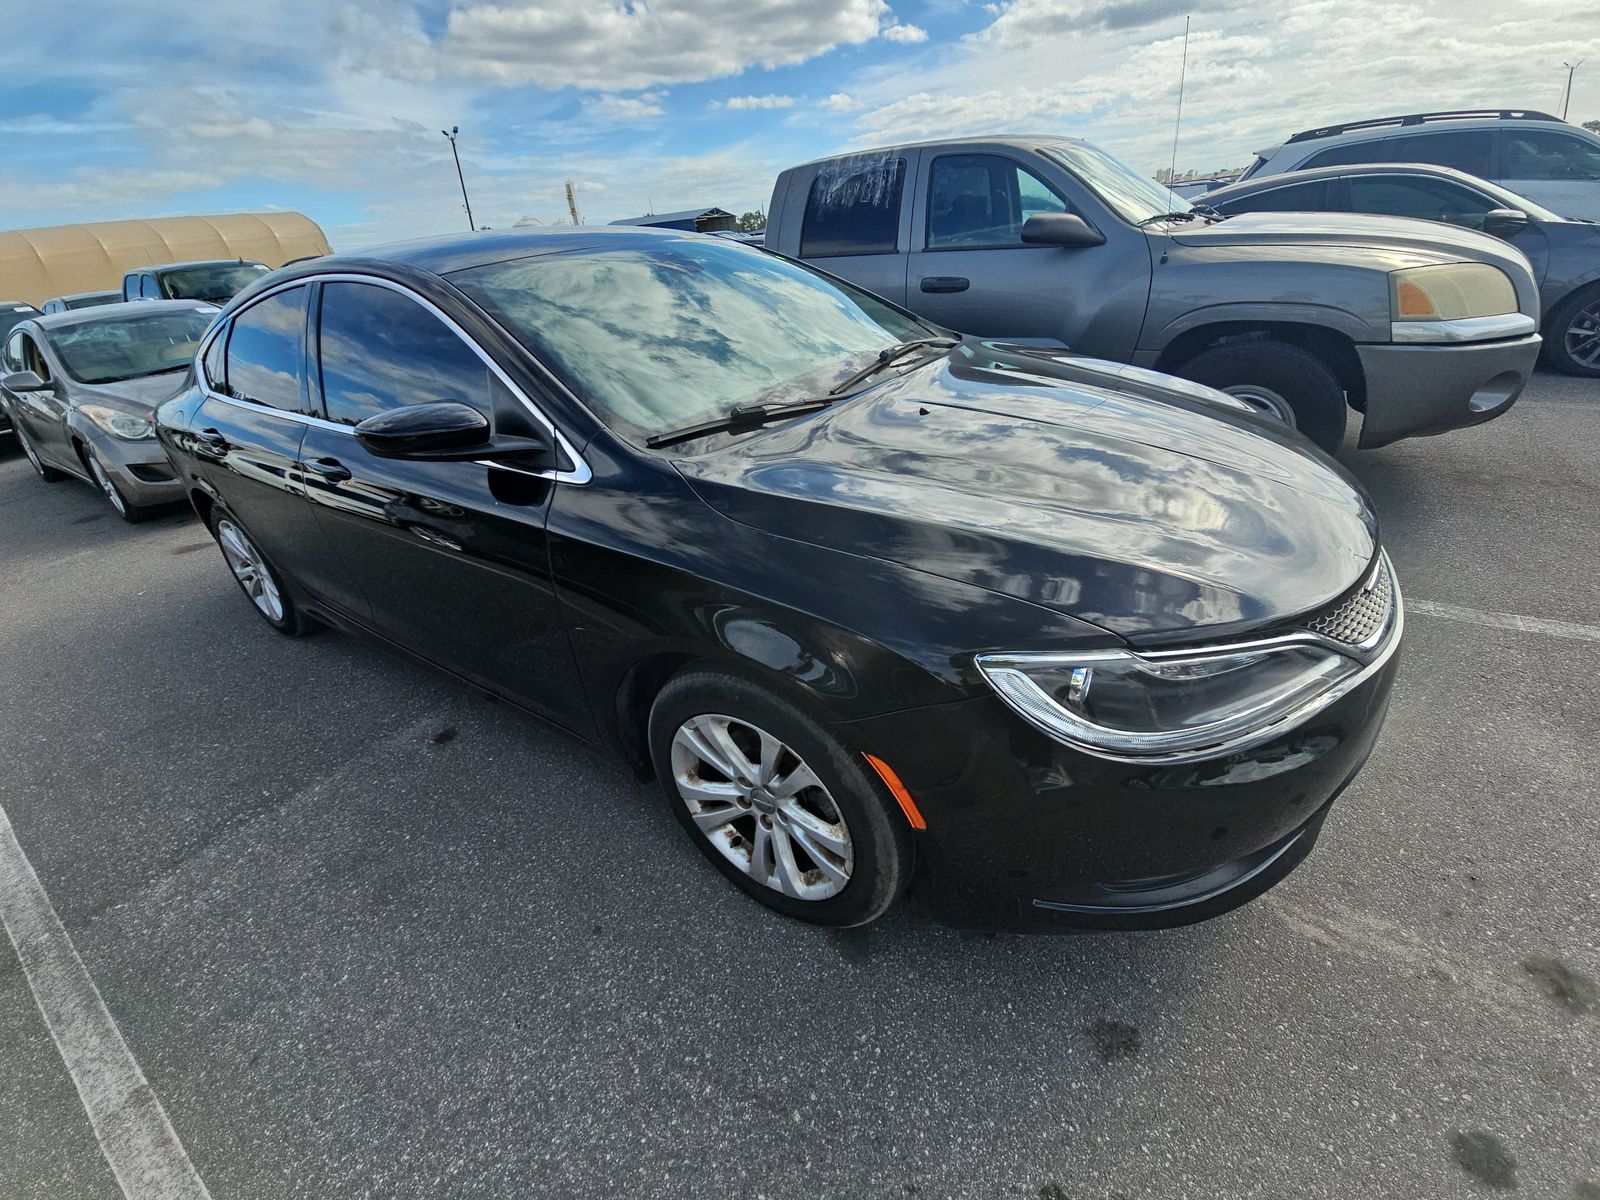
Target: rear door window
(1469, 150)
(382, 350)
(854, 208)
(266, 352)
(983, 200)
(1548, 154)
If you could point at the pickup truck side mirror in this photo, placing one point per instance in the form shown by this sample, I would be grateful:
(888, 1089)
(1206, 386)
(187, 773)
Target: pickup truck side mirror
(1060, 229)
(1503, 222)
(24, 381)
(445, 431)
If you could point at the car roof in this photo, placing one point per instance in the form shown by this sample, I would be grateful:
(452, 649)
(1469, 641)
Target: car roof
(1264, 183)
(117, 312)
(1015, 141)
(460, 252)
(81, 295)
(200, 262)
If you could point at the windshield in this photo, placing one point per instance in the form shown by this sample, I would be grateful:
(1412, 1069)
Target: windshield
(1132, 196)
(656, 337)
(222, 281)
(106, 351)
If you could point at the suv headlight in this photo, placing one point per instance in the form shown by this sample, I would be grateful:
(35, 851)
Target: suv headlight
(1450, 292)
(119, 424)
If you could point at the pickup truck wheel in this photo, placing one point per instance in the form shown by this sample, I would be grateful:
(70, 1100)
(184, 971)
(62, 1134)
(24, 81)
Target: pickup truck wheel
(1269, 374)
(1572, 335)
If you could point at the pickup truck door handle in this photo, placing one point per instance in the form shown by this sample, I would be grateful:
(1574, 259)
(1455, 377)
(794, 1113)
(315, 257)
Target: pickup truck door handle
(212, 440)
(330, 469)
(946, 283)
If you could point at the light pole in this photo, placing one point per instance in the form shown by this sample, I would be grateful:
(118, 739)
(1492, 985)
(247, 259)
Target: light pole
(451, 138)
(1566, 99)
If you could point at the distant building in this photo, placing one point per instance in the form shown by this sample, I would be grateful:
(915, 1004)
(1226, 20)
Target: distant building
(695, 220)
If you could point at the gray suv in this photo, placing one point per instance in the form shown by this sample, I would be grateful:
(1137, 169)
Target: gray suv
(1423, 328)
(1530, 153)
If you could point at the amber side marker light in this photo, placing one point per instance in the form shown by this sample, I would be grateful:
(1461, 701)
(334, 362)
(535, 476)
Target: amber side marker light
(1414, 302)
(897, 790)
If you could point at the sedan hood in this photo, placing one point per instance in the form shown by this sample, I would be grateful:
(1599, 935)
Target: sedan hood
(1154, 517)
(138, 396)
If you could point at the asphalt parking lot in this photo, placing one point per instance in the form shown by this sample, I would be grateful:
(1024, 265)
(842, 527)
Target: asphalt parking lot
(368, 934)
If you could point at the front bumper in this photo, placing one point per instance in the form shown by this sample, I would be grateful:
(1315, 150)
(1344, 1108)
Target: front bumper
(140, 469)
(1026, 833)
(1415, 390)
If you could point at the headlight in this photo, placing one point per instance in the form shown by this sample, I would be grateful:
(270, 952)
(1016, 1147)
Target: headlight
(1124, 705)
(119, 424)
(1450, 292)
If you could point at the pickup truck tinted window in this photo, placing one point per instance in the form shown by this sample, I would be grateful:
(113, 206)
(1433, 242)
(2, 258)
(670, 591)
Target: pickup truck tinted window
(983, 199)
(854, 208)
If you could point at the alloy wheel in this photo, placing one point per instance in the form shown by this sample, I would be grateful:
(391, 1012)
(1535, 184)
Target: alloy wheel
(106, 486)
(244, 560)
(1582, 338)
(755, 800)
(1265, 401)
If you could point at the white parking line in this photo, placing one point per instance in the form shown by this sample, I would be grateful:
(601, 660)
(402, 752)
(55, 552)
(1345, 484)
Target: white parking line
(131, 1126)
(1500, 620)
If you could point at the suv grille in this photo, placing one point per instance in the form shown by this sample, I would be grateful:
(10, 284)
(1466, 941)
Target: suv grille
(1360, 616)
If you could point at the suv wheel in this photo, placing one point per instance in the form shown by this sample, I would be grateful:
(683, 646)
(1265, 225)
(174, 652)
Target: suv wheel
(778, 803)
(1572, 335)
(1274, 376)
(255, 576)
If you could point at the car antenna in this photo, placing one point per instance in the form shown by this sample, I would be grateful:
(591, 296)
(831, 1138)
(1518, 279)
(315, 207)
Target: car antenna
(1177, 124)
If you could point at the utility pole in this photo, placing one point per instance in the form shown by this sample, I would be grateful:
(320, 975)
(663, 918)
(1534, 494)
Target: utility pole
(1566, 99)
(451, 138)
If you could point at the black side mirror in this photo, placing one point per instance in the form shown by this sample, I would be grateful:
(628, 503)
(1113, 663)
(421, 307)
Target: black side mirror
(24, 381)
(1503, 222)
(445, 431)
(1060, 229)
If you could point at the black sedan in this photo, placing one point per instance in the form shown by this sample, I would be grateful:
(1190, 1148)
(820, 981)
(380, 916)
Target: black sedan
(1059, 644)
(1564, 253)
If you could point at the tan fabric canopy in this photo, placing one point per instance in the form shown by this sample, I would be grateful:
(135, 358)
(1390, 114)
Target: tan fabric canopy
(58, 260)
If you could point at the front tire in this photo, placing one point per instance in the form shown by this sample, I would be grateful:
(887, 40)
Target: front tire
(1268, 374)
(1572, 335)
(48, 474)
(131, 513)
(263, 586)
(780, 805)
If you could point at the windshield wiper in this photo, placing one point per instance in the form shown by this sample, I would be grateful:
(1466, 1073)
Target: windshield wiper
(739, 416)
(888, 355)
(1188, 215)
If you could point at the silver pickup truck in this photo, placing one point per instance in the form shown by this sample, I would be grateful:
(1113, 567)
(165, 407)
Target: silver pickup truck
(1420, 327)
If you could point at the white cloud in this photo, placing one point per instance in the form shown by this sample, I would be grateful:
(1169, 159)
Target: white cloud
(610, 46)
(622, 109)
(839, 102)
(906, 34)
(741, 102)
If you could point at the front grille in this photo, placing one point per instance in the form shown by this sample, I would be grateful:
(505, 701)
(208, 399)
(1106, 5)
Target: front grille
(1361, 616)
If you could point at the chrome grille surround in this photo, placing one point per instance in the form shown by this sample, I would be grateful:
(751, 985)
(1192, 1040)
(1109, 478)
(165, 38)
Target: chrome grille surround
(1360, 619)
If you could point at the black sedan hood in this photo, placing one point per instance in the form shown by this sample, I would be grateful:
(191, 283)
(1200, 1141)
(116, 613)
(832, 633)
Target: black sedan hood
(1152, 516)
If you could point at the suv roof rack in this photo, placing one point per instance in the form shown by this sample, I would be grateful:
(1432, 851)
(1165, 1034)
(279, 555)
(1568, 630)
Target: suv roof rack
(1503, 114)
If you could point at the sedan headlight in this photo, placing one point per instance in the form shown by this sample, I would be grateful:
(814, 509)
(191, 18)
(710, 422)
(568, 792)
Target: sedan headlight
(120, 424)
(1450, 292)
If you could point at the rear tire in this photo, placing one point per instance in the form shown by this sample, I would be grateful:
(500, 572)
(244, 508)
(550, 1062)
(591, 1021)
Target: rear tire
(48, 474)
(1266, 371)
(256, 577)
(791, 816)
(1572, 335)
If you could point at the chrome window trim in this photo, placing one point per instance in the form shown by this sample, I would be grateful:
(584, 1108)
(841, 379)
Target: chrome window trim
(580, 473)
(1382, 649)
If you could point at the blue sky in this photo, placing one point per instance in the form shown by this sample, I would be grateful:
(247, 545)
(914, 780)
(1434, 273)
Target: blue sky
(113, 109)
